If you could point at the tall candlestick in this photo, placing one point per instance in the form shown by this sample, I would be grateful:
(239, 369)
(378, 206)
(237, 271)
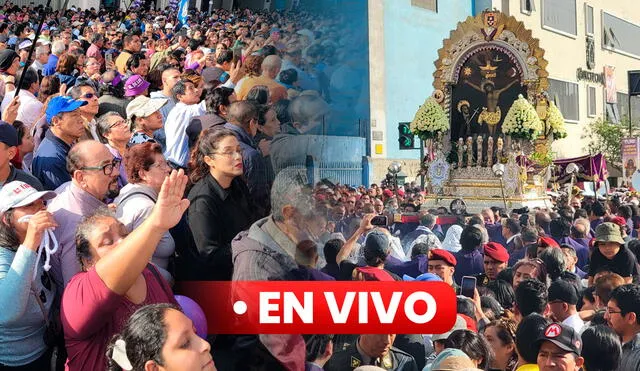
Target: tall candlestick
(479, 145)
(460, 152)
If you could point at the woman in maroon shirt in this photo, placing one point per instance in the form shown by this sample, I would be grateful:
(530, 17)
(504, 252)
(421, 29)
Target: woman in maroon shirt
(116, 277)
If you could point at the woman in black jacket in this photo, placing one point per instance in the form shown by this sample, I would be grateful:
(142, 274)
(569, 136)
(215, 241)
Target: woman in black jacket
(220, 206)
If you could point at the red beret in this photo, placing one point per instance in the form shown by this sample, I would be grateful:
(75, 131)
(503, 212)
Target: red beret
(619, 221)
(547, 242)
(441, 254)
(496, 251)
(388, 193)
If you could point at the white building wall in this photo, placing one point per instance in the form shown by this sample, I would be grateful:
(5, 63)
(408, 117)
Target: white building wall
(566, 53)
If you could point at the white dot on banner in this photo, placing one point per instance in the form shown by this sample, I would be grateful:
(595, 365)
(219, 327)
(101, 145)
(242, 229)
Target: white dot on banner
(240, 307)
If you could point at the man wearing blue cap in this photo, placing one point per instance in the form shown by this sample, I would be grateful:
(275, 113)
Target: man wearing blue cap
(66, 126)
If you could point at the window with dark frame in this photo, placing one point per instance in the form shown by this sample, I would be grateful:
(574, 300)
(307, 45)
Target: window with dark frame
(566, 95)
(591, 101)
(527, 6)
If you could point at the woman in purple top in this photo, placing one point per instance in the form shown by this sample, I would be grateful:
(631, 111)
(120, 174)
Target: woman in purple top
(116, 278)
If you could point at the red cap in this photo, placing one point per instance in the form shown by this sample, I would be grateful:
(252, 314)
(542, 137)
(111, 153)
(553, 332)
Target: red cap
(496, 251)
(547, 242)
(471, 323)
(388, 193)
(441, 254)
(401, 192)
(619, 221)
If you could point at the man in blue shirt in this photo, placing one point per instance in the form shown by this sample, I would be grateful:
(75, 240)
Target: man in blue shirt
(57, 48)
(50, 161)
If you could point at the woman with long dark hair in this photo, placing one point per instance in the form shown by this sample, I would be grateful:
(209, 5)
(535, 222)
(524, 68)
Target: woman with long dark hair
(501, 336)
(220, 206)
(472, 344)
(159, 337)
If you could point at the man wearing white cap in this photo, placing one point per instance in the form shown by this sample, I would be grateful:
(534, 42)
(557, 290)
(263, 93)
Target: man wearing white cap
(145, 115)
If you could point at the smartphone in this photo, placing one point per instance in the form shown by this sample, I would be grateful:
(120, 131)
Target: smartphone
(379, 220)
(109, 57)
(468, 286)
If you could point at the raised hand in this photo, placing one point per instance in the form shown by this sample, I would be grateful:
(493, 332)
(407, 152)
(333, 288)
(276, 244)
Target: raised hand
(11, 112)
(38, 223)
(365, 224)
(236, 72)
(170, 205)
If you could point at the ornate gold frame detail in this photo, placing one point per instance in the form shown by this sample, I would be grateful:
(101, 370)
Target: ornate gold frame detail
(510, 36)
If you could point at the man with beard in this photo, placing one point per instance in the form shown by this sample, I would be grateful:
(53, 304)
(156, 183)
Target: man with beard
(94, 177)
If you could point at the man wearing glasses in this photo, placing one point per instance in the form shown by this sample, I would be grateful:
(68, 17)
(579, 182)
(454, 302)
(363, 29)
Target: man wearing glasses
(50, 160)
(94, 177)
(84, 91)
(623, 316)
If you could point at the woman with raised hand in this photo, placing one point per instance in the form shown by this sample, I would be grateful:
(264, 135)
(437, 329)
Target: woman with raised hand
(146, 170)
(25, 301)
(159, 337)
(116, 277)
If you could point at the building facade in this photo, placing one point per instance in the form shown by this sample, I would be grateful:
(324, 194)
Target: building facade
(590, 46)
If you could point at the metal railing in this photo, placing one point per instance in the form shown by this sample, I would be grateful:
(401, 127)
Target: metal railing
(343, 172)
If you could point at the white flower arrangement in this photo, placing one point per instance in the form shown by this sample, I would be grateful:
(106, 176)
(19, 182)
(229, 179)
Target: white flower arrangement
(555, 121)
(522, 120)
(430, 120)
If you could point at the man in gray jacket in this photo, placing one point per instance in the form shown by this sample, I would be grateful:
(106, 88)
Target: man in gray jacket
(268, 252)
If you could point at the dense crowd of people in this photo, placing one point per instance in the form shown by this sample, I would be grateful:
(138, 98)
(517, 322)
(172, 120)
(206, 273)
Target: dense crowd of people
(140, 155)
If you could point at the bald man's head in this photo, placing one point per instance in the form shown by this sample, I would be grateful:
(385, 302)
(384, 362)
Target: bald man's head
(271, 66)
(580, 228)
(82, 154)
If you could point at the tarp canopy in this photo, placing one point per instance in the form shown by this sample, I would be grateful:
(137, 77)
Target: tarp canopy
(591, 168)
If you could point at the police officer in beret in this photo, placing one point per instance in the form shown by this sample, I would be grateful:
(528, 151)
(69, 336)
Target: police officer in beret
(376, 350)
(495, 260)
(443, 264)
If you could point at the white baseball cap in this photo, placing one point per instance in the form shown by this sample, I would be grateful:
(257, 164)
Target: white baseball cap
(143, 106)
(17, 194)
